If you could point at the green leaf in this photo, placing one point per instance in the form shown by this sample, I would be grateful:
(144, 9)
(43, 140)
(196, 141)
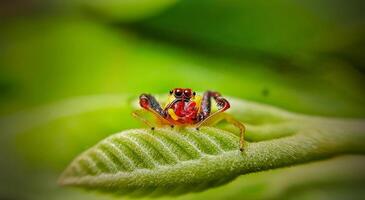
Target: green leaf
(341, 172)
(127, 10)
(44, 45)
(252, 28)
(167, 161)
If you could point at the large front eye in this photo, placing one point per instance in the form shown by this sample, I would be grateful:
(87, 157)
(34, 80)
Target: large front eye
(187, 93)
(178, 93)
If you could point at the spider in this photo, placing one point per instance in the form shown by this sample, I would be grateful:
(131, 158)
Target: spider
(185, 108)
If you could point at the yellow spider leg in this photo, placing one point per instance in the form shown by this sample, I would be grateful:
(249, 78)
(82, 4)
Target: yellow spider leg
(217, 117)
(137, 114)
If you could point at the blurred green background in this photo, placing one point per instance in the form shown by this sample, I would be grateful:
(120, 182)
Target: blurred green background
(69, 69)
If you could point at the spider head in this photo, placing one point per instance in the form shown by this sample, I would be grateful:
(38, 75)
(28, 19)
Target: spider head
(182, 93)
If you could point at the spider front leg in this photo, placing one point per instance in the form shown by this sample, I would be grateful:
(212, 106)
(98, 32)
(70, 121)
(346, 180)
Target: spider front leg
(138, 115)
(205, 116)
(149, 103)
(206, 106)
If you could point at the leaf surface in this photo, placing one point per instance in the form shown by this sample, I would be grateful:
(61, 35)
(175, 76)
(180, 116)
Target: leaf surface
(174, 161)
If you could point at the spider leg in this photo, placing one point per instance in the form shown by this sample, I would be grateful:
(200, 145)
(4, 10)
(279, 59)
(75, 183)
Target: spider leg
(137, 115)
(206, 117)
(230, 119)
(149, 103)
(205, 107)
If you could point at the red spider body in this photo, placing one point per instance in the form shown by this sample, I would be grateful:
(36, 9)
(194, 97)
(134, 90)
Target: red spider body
(186, 111)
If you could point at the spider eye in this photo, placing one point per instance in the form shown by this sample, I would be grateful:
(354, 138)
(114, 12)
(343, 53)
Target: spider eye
(187, 93)
(194, 93)
(178, 93)
(171, 91)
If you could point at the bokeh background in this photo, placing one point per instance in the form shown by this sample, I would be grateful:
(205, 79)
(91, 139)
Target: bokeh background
(68, 69)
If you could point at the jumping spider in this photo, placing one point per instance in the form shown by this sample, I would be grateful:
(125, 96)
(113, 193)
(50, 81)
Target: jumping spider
(185, 108)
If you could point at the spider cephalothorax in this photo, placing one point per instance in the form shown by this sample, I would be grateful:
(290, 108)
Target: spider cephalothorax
(185, 108)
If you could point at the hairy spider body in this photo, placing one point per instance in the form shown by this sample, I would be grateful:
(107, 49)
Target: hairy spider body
(186, 108)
